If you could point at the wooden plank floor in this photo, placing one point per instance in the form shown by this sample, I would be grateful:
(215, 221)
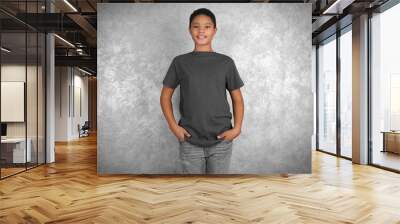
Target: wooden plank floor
(70, 191)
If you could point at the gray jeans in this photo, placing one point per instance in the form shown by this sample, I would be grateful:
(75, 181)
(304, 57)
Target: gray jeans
(210, 160)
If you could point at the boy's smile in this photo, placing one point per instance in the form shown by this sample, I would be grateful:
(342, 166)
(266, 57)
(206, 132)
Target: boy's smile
(202, 30)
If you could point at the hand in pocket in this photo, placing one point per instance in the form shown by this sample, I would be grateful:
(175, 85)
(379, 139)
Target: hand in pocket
(180, 133)
(229, 135)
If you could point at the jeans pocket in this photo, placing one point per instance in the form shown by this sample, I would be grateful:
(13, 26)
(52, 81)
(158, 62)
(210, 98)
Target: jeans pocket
(184, 140)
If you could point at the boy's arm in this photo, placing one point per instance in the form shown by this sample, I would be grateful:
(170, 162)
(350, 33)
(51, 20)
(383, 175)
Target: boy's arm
(238, 109)
(166, 106)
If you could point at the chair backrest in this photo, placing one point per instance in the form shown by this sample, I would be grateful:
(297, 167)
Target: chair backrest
(86, 125)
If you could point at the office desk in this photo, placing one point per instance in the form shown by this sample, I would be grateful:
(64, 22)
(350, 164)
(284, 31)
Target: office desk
(13, 150)
(391, 141)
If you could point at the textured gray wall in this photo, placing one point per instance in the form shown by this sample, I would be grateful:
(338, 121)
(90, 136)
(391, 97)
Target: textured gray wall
(271, 46)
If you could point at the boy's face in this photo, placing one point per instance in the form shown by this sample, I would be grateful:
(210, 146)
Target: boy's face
(202, 30)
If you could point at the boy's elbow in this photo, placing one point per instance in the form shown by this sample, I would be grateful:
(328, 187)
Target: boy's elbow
(166, 94)
(163, 98)
(238, 102)
(236, 96)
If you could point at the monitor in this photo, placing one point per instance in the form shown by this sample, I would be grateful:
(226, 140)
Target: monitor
(3, 129)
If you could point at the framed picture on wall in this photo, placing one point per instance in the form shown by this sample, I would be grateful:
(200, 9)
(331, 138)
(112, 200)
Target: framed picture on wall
(12, 101)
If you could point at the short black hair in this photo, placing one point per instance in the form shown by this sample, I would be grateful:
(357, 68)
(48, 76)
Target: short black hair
(203, 11)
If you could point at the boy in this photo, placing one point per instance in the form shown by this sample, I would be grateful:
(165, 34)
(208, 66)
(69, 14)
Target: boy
(204, 131)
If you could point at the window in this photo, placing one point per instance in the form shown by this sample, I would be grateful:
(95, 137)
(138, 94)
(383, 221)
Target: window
(327, 95)
(346, 92)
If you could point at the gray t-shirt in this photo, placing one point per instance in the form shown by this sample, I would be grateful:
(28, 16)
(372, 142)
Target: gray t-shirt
(203, 78)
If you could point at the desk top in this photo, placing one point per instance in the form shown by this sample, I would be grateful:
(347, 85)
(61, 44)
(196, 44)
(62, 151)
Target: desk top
(391, 132)
(14, 140)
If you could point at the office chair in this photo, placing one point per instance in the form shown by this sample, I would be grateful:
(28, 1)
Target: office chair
(84, 130)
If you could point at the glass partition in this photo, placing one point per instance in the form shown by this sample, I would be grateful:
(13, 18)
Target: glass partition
(346, 93)
(327, 95)
(32, 95)
(41, 86)
(14, 153)
(22, 101)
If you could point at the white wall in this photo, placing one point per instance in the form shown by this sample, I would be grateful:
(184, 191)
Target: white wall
(314, 90)
(67, 114)
(80, 82)
(16, 72)
(34, 125)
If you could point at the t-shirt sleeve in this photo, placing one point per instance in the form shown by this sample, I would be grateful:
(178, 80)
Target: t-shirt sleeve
(171, 77)
(233, 80)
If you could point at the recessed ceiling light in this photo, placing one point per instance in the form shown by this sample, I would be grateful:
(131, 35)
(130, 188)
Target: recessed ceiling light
(86, 72)
(337, 7)
(64, 40)
(70, 5)
(5, 49)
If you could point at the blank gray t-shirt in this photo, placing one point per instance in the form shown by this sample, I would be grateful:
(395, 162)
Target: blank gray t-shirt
(203, 78)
